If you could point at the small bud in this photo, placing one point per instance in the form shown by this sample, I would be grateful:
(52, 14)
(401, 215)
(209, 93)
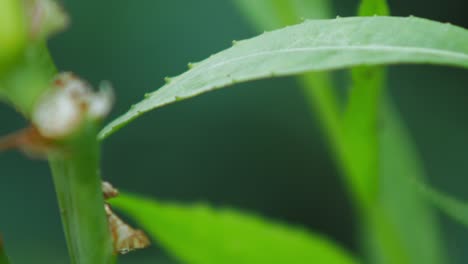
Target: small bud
(101, 103)
(70, 101)
(109, 191)
(46, 17)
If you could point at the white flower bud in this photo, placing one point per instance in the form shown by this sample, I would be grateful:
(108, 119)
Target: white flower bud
(71, 101)
(100, 104)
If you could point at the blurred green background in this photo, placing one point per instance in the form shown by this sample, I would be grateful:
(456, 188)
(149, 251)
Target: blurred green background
(254, 147)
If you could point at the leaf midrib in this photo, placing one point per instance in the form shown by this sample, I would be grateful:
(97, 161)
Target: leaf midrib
(420, 50)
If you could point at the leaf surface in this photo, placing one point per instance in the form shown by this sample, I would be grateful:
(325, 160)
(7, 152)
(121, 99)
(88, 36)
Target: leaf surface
(198, 234)
(315, 45)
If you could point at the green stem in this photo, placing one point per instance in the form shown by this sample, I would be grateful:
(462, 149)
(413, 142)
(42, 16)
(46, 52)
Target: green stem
(26, 72)
(78, 186)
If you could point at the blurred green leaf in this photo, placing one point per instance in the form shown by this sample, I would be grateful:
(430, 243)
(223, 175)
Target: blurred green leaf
(361, 114)
(199, 234)
(456, 209)
(28, 79)
(375, 153)
(415, 224)
(3, 256)
(373, 7)
(313, 46)
(274, 14)
(360, 129)
(12, 32)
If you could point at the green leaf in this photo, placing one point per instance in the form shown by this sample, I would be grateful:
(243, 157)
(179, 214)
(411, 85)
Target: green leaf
(199, 234)
(361, 115)
(273, 14)
(28, 79)
(360, 122)
(415, 224)
(313, 46)
(373, 7)
(386, 172)
(12, 32)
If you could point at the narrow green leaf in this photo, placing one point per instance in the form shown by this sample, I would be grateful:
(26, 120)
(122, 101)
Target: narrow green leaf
(274, 14)
(415, 224)
(373, 7)
(314, 46)
(3, 256)
(199, 234)
(360, 122)
(361, 115)
(360, 126)
(456, 209)
(365, 116)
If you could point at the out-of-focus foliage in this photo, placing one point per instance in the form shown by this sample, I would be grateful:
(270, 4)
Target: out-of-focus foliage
(373, 7)
(236, 133)
(274, 14)
(414, 223)
(12, 32)
(198, 234)
(454, 208)
(3, 257)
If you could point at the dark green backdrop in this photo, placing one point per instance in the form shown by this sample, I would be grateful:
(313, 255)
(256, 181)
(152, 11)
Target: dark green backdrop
(254, 146)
